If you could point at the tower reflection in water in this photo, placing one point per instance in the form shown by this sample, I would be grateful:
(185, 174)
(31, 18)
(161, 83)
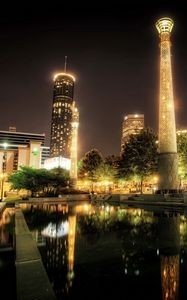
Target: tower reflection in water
(57, 244)
(169, 245)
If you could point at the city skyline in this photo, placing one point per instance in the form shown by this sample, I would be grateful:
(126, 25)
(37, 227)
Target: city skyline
(114, 57)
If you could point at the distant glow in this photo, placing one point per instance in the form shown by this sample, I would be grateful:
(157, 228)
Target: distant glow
(3, 175)
(55, 162)
(136, 116)
(107, 208)
(64, 74)
(136, 272)
(183, 131)
(53, 230)
(86, 207)
(5, 145)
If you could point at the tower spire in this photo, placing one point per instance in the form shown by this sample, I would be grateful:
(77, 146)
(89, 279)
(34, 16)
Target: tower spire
(65, 64)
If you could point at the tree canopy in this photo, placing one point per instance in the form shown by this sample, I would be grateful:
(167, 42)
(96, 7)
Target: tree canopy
(39, 180)
(105, 173)
(89, 163)
(139, 157)
(182, 153)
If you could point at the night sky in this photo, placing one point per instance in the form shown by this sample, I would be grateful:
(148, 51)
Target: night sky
(113, 53)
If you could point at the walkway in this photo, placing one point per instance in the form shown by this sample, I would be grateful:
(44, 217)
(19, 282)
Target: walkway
(32, 279)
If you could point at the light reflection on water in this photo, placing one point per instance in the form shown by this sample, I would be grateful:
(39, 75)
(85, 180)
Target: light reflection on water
(105, 251)
(6, 229)
(7, 259)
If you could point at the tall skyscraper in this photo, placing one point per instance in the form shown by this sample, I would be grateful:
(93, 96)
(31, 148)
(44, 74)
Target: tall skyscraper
(132, 124)
(168, 159)
(62, 115)
(64, 126)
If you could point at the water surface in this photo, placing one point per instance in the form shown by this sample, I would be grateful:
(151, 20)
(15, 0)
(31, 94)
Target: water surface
(111, 252)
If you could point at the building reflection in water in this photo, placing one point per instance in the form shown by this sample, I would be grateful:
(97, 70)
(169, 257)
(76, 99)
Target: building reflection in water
(169, 244)
(57, 246)
(6, 234)
(71, 247)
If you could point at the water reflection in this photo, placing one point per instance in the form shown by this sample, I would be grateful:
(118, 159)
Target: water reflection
(119, 249)
(169, 243)
(71, 247)
(6, 228)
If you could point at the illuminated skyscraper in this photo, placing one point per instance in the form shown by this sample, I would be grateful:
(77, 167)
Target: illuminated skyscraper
(132, 124)
(62, 115)
(168, 159)
(74, 141)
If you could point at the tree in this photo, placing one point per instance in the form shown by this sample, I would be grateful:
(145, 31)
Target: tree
(58, 179)
(139, 156)
(26, 178)
(38, 180)
(90, 162)
(182, 153)
(112, 160)
(105, 172)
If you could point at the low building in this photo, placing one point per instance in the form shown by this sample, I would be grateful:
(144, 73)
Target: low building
(21, 149)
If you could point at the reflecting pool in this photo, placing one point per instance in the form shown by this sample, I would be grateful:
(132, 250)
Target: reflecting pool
(107, 251)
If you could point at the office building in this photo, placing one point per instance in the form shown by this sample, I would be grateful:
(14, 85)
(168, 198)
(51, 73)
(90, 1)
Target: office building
(132, 124)
(64, 126)
(21, 149)
(62, 115)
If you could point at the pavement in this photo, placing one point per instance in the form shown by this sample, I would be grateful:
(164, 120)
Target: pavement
(32, 279)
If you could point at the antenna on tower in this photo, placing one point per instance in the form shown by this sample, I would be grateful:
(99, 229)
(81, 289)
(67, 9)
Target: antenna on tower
(65, 64)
